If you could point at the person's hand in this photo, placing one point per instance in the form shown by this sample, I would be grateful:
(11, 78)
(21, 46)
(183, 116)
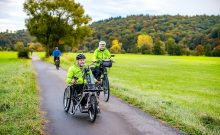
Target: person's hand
(74, 81)
(98, 82)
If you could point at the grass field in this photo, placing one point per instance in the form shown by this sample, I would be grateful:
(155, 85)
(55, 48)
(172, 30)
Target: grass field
(19, 97)
(183, 91)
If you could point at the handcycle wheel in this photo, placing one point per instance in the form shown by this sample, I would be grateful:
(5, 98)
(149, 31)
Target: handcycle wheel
(67, 99)
(106, 89)
(93, 109)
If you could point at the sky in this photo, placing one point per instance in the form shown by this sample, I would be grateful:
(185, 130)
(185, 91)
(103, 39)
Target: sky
(12, 16)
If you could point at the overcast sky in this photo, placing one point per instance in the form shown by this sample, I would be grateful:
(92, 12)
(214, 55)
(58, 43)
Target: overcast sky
(12, 16)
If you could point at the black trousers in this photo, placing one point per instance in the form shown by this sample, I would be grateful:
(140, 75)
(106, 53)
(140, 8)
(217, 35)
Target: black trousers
(56, 58)
(77, 89)
(97, 72)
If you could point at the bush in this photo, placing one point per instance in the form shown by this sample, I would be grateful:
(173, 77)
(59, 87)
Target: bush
(199, 50)
(80, 51)
(187, 51)
(23, 53)
(216, 51)
(208, 50)
(123, 51)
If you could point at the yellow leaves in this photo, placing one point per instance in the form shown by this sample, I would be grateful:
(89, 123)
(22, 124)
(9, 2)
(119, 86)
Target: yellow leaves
(116, 46)
(35, 46)
(19, 45)
(31, 46)
(61, 42)
(144, 40)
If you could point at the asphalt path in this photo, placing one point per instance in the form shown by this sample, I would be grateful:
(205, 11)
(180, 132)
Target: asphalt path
(116, 117)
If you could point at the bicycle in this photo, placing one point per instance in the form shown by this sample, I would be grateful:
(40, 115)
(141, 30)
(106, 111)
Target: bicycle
(104, 64)
(57, 63)
(89, 94)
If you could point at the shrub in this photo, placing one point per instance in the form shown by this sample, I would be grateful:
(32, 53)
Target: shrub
(23, 53)
(208, 50)
(216, 51)
(199, 50)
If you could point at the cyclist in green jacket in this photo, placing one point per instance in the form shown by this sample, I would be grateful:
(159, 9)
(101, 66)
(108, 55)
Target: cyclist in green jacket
(101, 53)
(75, 75)
(75, 71)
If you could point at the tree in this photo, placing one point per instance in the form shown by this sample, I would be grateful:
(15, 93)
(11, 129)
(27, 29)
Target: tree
(31, 46)
(187, 51)
(208, 50)
(170, 46)
(35, 47)
(199, 50)
(145, 43)
(19, 45)
(116, 46)
(216, 51)
(56, 21)
(159, 48)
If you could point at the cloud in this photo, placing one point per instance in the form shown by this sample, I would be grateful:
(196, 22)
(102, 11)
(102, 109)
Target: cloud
(102, 9)
(12, 16)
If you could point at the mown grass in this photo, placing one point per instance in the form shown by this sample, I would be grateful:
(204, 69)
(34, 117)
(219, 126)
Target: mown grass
(19, 97)
(181, 90)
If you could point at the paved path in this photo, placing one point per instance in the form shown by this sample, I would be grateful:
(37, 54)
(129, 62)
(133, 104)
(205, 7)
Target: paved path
(116, 118)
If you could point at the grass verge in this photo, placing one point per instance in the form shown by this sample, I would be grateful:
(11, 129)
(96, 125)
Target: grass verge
(19, 97)
(183, 91)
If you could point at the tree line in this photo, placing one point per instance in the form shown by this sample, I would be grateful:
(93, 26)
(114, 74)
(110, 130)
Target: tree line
(17, 40)
(159, 35)
(172, 35)
(9, 39)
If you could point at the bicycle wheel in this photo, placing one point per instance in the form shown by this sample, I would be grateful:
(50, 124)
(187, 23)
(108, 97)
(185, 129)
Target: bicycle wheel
(67, 99)
(106, 88)
(57, 64)
(93, 109)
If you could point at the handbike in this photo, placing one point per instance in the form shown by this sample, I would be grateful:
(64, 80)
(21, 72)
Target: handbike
(89, 94)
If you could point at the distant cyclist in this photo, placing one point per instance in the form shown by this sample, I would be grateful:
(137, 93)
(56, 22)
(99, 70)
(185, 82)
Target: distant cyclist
(101, 53)
(56, 54)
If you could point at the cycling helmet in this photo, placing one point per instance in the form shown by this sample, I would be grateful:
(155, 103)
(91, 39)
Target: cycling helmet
(102, 43)
(80, 56)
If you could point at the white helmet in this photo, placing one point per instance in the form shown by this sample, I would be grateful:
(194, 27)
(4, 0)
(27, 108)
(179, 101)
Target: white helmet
(102, 43)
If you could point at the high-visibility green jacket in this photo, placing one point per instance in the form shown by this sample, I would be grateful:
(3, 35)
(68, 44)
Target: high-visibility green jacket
(101, 55)
(75, 71)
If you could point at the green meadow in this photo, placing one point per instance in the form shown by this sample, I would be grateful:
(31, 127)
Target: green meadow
(183, 91)
(19, 97)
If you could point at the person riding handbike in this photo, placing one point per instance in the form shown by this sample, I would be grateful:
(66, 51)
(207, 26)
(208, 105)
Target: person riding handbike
(80, 78)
